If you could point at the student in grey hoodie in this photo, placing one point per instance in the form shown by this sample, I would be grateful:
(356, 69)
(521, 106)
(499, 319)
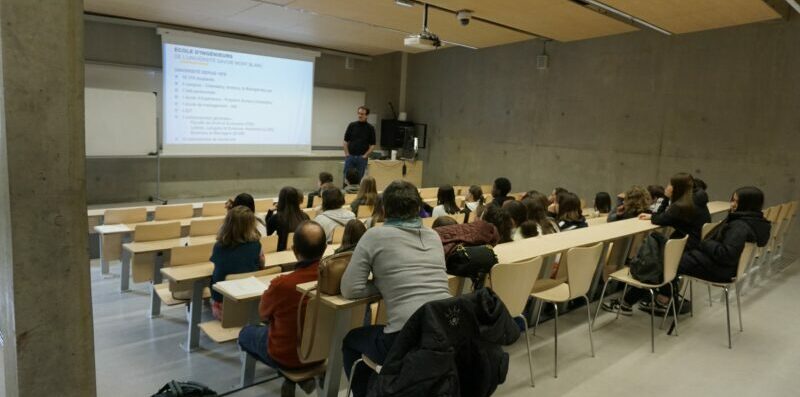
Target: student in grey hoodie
(333, 214)
(407, 264)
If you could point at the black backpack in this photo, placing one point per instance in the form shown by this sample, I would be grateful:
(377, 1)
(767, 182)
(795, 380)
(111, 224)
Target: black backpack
(472, 262)
(185, 389)
(648, 265)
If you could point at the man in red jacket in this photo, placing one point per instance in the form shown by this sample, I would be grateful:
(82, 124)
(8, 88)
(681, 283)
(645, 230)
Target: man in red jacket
(275, 344)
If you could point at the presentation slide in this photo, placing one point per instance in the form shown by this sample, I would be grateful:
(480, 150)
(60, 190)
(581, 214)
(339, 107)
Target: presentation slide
(219, 102)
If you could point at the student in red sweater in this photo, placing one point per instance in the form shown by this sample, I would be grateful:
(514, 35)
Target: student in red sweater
(275, 344)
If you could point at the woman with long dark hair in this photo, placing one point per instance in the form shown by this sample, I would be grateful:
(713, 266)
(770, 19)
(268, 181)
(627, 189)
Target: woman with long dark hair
(288, 215)
(445, 202)
(681, 214)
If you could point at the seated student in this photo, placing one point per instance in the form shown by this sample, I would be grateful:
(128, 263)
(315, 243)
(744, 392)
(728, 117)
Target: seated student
(377, 213)
(681, 215)
(500, 190)
(353, 181)
(244, 199)
(287, 217)
(602, 204)
(407, 264)
(275, 344)
(552, 200)
(352, 234)
(237, 250)
(445, 202)
(367, 193)
(324, 177)
(537, 216)
(443, 220)
(568, 207)
(333, 214)
(474, 201)
(499, 217)
(657, 197)
(519, 215)
(636, 201)
(700, 198)
(717, 256)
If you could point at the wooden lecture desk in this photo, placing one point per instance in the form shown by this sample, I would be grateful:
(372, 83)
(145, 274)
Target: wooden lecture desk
(199, 275)
(109, 234)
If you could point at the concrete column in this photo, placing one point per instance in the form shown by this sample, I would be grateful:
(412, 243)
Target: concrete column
(45, 291)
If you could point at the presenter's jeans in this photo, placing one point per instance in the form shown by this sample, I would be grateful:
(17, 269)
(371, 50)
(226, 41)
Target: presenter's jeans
(357, 162)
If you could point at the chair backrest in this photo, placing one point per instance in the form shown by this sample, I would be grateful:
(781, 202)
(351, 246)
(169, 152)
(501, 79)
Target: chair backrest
(311, 212)
(213, 209)
(673, 250)
(513, 282)
(428, 222)
(744, 259)
(583, 262)
(125, 215)
(338, 234)
(321, 343)
(257, 273)
(289, 241)
(205, 227)
(170, 212)
(190, 254)
(364, 211)
(349, 198)
(708, 227)
(269, 244)
(156, 231)
(264, 205)
(428, 192)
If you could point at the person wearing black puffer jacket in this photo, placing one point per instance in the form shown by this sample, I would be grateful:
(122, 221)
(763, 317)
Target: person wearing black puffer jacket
(717, 257)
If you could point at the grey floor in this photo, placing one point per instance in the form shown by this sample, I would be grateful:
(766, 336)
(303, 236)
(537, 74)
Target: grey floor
(136, 354)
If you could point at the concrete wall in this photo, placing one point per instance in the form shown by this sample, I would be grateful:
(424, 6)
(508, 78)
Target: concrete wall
(125, 180)
(616, 111)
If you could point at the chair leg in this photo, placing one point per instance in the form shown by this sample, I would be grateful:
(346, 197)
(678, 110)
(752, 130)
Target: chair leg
(555, 340)
(728, 316)
(674, 309)
(538, 315)
(710, 300)
(352, 374)
(600, 302)
(652, 321)
(624, 291)
(589, 323)
(738, 305)
(528, 344)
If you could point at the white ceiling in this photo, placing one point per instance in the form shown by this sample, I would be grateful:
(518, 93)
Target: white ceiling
(374, 27)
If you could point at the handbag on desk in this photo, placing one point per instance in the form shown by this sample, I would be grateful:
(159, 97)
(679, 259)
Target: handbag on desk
(329, 279)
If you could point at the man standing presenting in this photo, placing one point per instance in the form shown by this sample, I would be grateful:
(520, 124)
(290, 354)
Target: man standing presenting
(359, 141)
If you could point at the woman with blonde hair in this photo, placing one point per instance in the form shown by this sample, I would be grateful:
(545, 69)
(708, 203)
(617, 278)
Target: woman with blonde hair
(367, 193)
(237, 250)
(636, 201)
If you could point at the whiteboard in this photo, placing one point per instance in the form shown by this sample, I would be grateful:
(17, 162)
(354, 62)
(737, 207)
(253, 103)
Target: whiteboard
(333, 110)
(120, 123)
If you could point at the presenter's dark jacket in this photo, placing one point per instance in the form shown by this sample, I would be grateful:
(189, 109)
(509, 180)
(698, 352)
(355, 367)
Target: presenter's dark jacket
(359, 137)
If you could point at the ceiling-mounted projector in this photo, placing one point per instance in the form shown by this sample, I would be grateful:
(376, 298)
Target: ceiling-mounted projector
(423, 41)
